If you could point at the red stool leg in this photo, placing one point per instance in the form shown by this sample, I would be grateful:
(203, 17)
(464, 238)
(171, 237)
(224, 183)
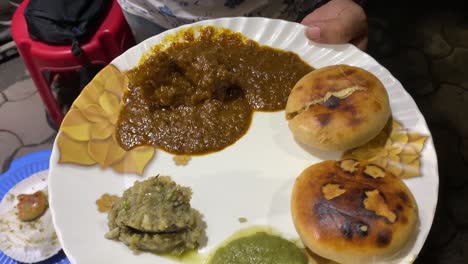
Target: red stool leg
(129, 41)
(114, 44)
(117, 40)
(43, 88)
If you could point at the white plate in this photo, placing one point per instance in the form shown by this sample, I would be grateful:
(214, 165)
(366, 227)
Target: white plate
(252, 178)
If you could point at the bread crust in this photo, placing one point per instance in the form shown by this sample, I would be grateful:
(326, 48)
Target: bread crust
(337, 107)
(352, 211)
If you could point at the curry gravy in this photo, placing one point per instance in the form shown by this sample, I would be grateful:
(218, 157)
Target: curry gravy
(198, 94)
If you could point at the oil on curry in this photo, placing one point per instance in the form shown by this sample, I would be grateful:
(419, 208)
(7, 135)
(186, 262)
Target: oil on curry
(198, 95)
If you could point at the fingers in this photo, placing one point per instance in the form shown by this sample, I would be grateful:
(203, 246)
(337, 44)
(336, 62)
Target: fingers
(339, 21)
(334, 31)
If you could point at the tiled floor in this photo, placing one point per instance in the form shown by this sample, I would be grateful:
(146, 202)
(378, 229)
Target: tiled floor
(23, 122)
(427, 51)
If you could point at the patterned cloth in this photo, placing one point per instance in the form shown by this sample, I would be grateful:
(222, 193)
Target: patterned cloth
(173, 13)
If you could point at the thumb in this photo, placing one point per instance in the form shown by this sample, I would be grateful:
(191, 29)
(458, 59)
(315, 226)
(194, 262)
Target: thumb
(342, 29)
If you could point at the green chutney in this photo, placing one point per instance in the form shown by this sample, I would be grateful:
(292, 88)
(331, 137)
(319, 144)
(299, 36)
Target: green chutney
(259, 248)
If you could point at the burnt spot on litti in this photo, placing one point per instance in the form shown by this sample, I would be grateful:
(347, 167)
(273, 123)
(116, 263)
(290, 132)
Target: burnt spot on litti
(324, 119)
(383, 238)
(323, 210)
(404, 197)
(399, 207)
(332, 102)
(350, 109)
(355, 122)
(346, 229)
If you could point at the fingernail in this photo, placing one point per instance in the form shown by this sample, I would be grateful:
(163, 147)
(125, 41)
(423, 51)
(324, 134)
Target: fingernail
(313, 32)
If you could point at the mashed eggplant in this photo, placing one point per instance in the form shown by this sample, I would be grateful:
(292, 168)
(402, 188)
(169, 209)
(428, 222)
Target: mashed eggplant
(155, 215)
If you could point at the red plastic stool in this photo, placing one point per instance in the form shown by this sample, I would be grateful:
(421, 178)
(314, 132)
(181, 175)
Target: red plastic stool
(111, 39)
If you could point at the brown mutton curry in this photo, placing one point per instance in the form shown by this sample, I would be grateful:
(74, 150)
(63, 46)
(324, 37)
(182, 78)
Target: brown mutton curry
(198, 94)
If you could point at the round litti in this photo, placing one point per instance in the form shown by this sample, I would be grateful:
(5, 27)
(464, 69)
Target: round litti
(337, 107)
(353, 212)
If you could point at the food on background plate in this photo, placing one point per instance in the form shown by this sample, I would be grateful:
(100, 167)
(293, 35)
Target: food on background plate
(31, 206)
(197, 94)
(257, 245)
(155, 215)
(352, 211)
(27, 233)
(337, 107)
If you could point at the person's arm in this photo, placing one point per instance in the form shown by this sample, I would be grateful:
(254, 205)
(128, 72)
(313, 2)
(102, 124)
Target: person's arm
(336, 22)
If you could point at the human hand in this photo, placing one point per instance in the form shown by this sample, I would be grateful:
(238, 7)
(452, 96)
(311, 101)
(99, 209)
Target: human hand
(337, 22)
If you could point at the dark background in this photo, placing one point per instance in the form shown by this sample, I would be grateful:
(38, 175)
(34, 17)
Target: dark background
(424, 44)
